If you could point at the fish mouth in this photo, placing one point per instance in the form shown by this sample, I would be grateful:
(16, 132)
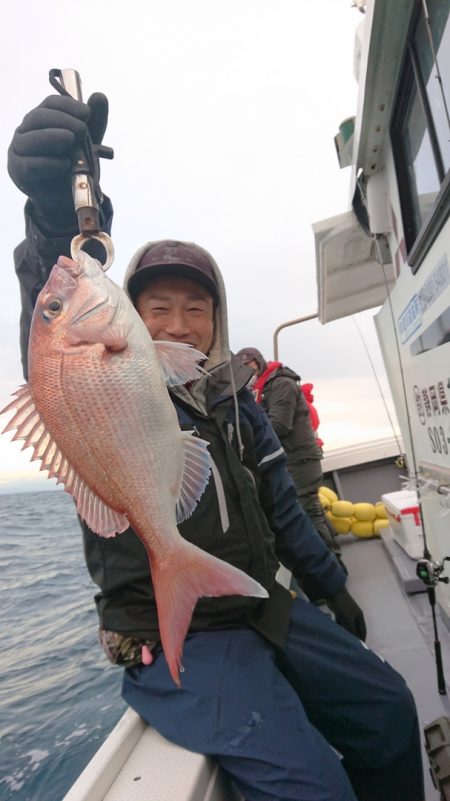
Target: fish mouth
(68, 273)
(71, 269)
(60, 278)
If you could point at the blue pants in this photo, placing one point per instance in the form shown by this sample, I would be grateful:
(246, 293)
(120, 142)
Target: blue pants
(270, 715)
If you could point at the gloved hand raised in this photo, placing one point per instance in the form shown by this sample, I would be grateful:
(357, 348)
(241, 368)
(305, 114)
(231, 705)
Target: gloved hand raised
(347, 613)
(41, 153)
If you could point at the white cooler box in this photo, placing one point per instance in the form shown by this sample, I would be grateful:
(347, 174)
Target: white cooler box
(405, 521)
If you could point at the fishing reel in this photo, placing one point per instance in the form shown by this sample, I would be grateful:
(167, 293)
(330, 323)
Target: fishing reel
(430, 572)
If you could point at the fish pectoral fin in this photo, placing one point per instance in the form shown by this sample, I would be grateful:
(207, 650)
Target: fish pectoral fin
(116, 338)
(179, 362)
(196, 472)
(30, 427)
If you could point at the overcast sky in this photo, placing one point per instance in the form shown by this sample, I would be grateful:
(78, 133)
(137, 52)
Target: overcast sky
(222, 118)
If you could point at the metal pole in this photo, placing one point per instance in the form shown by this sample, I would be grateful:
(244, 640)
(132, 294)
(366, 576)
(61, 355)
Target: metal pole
(285, 325)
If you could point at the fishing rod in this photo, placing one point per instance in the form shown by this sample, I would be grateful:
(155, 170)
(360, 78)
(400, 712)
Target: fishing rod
(429, 571)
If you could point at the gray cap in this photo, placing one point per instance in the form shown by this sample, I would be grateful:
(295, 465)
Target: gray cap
(246, 355)
(167, 257)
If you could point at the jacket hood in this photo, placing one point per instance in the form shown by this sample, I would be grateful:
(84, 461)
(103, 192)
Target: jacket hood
(285, 372)
(246, 355)
(220, 350)
(307, 391)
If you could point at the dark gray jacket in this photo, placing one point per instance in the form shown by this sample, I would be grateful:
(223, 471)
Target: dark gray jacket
(288, 412)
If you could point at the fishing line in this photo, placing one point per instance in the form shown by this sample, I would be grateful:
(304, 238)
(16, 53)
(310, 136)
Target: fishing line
(236, 411)
(402, 376)
(379, 257)
(380, 389)
(405, 399)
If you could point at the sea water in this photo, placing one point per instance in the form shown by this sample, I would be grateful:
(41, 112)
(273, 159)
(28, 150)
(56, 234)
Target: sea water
(59, 696)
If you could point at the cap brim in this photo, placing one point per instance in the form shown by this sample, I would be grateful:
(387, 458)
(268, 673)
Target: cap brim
(145, 275)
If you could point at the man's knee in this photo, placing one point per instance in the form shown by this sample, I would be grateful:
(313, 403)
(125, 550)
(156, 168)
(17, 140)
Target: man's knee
(394, 730)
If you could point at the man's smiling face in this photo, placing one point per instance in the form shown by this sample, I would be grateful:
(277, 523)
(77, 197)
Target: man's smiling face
(177, 309)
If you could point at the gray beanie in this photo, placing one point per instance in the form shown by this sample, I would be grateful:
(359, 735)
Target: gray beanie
(246, 355)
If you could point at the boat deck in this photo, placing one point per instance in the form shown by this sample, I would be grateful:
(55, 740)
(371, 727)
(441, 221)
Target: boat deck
(399, 627)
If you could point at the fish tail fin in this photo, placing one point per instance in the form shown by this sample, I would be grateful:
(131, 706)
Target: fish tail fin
(179, 581)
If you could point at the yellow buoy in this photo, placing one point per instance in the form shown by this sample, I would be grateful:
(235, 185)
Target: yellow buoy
(378, 524)
(362, 528)
(380, 510)
(329, 493)
(324, 500)
(364, 511)
(341, 524)
(342, 508)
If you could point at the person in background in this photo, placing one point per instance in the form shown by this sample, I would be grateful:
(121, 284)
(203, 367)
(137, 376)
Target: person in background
(277, 388)
(292, 706)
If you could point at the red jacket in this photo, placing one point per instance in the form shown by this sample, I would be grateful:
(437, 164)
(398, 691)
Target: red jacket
(309, 397)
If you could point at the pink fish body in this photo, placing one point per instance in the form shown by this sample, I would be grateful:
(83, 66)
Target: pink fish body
(98, 415)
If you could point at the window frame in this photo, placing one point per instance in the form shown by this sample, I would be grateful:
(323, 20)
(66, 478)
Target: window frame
(418, 242)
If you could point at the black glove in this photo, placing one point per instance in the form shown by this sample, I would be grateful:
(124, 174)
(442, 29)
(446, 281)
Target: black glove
(347, 613)
(41, 154)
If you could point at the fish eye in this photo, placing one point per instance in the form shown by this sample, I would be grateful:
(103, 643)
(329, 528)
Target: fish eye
(53, 308)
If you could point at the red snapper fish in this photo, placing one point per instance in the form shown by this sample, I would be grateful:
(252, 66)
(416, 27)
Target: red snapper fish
(97, 413)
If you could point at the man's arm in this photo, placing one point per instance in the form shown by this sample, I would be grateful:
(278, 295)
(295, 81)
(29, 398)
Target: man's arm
(40, 164)
(298, 545)
(283, 400)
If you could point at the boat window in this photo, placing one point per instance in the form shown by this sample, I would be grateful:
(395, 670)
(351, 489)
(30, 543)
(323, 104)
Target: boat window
(420, 128)
(438, 93)
(423, 178)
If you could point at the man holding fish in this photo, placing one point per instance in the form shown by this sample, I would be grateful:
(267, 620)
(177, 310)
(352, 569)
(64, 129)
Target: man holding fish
(135, 403)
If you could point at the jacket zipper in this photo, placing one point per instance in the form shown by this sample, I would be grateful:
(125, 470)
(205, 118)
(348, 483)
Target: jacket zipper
(223, 510)
(220, 492)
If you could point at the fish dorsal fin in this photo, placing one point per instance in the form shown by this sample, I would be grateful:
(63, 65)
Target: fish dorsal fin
(30, 427)
(179, 362)
(196, 472)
